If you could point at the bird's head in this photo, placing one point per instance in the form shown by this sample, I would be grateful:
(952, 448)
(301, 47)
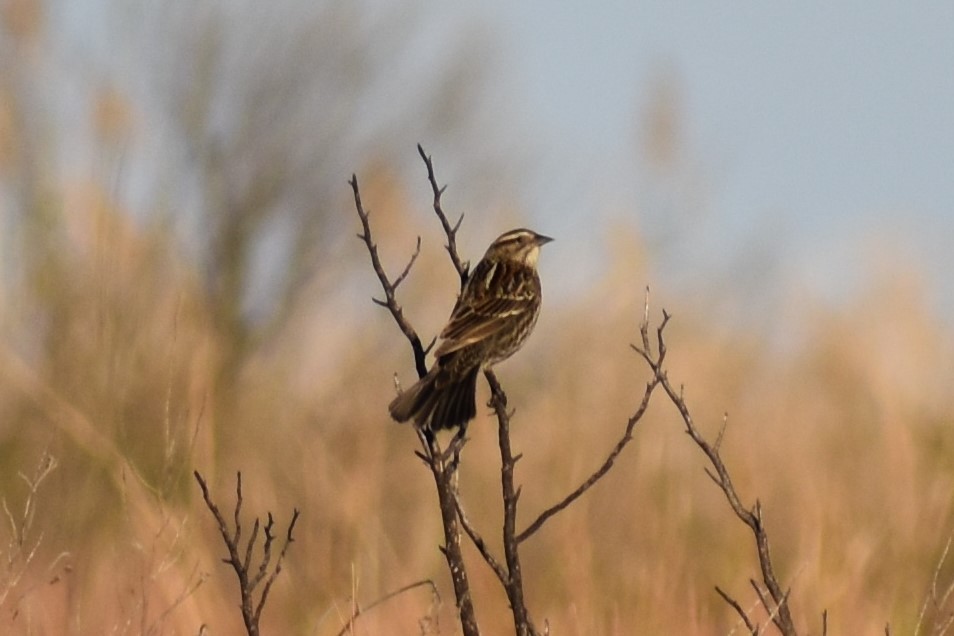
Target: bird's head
(519, 245)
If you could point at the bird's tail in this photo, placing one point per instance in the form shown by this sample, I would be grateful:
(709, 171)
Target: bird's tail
(438, 400)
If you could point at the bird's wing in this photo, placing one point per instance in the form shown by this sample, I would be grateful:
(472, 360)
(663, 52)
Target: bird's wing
(482, 310)
(474, 322)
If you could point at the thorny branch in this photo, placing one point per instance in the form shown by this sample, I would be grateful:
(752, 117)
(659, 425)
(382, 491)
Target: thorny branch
(251, 609)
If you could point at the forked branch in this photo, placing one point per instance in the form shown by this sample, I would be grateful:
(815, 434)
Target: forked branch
(776, 599)
(442, 463)
(390, 300)
(249, 576)
(450, 231)
(598, 474)
(624, 439)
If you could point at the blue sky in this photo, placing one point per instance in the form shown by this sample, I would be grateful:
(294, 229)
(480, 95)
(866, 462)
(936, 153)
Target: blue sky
(809, 131)
(812, 126)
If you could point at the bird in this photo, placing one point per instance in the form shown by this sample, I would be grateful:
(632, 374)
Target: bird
(497, 309)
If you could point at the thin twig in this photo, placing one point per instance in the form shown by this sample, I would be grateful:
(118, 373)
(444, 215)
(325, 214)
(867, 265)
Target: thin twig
(752, 627)
(390, 301)
(358, 611)
(778, 606)
(19, 555)
(598, 474)
(480, 544)
(725, 423)
(184, 595)
(781, 615)
(450, 231)
(281, 558)
(931, 597)
(410, 264)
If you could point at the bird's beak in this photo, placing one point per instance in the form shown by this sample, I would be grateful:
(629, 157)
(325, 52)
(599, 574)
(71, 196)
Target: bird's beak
(542, 240)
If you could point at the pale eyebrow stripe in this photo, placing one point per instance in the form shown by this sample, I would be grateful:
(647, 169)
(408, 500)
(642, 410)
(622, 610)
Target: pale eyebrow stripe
(490, 276)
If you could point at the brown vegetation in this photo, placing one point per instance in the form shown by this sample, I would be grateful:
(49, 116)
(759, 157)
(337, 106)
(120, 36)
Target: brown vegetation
(127, 362)
(845, 441)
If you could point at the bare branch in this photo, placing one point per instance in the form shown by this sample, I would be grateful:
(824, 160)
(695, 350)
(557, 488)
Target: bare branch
(776, 601)
(713, 476)
(449, 230)
(480, 544)
(718, 441)
(599, 472)
(654, 363)
(762, 598)
(238, 505)
(251, 609)
(514, 583)
(387, 286)
(442, 464)
(752, 627)
(251, 544)
(410, 264)
(289, 539)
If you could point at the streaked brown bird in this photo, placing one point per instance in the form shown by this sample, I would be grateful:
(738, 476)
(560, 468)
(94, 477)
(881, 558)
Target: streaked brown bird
(496, 311)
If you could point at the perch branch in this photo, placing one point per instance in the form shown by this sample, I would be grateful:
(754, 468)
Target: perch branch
(442, 464)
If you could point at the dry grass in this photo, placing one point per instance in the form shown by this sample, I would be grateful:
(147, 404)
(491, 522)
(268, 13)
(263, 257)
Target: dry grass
(845, 437)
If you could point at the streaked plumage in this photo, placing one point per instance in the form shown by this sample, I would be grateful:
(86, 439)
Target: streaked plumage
(496, 311)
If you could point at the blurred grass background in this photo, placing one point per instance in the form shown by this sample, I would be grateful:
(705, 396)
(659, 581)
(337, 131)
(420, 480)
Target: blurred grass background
(180, 289)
